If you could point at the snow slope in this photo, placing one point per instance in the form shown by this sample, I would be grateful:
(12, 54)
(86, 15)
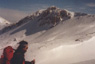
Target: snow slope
(69, 40)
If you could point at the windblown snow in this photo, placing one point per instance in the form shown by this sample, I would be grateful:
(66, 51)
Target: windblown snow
(55, 36)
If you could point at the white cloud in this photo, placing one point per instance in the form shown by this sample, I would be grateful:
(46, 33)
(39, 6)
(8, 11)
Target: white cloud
(90, 4)
(12, 15)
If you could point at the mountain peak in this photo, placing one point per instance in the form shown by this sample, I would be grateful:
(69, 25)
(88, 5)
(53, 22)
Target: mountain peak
(3, 21)
(52, 8)
(49, 17)
(54, 15)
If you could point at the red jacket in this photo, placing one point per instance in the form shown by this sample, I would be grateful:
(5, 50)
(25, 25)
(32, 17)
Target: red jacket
(7, 55)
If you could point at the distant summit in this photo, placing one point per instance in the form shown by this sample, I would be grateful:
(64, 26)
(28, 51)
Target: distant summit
(52, 16)
(3, 21)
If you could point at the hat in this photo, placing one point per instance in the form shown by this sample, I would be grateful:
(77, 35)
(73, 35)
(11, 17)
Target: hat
(23, 42)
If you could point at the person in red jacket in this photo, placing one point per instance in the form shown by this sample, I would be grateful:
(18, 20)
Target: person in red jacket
(7, 55)
(18, 57)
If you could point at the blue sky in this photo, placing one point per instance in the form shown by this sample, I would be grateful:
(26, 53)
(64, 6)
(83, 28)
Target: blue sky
(21, 8)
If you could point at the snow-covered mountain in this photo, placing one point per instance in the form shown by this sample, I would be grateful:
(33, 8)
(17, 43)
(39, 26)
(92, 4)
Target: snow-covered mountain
(55, 36)
(3, 22)
(47, 18)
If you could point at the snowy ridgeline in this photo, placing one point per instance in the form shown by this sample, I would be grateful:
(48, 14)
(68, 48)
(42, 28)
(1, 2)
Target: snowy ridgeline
(45, 18)
(50, 17)
(55, 36)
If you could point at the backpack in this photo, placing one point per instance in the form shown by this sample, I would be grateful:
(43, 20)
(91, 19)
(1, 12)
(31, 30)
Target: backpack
(7, 55)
